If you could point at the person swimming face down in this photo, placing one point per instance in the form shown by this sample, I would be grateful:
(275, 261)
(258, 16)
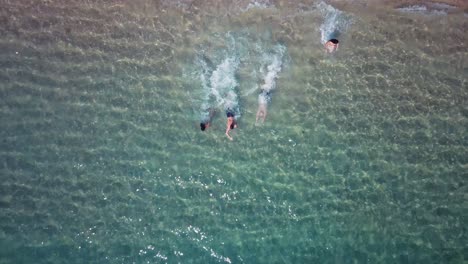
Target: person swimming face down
(263, 99)
(331, 45)
(206, 123)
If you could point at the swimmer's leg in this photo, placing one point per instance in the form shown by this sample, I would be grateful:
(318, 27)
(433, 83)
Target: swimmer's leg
(261, 114)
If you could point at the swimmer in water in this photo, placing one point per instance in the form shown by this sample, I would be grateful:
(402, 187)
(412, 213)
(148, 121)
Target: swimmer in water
(263, 98)
(331, 45)
(231, 122)
(206, 122)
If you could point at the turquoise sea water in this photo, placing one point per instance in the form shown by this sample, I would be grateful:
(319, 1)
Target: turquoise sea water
(363, 156)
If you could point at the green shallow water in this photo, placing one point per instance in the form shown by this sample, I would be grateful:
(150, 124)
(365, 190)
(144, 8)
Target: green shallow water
(363, 157)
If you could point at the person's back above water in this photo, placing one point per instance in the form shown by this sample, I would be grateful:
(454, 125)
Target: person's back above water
(231, 122)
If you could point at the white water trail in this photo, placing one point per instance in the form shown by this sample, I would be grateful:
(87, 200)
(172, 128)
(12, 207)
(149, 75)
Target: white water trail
(223, 84)
(275, 62)
(206, 93)
(335, 22)
(218, 86)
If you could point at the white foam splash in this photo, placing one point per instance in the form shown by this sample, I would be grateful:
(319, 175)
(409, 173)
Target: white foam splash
(274, 67)
(218, 256)
(335, 22)
(428, 9)
(218, 80)
(223, 84)
(258, 4)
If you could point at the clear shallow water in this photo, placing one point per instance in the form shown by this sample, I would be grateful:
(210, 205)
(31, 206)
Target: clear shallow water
(362, 158)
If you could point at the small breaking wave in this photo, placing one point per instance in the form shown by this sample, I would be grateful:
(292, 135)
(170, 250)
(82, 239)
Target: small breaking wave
(215, 73)
(428, 9)
(223, 80)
